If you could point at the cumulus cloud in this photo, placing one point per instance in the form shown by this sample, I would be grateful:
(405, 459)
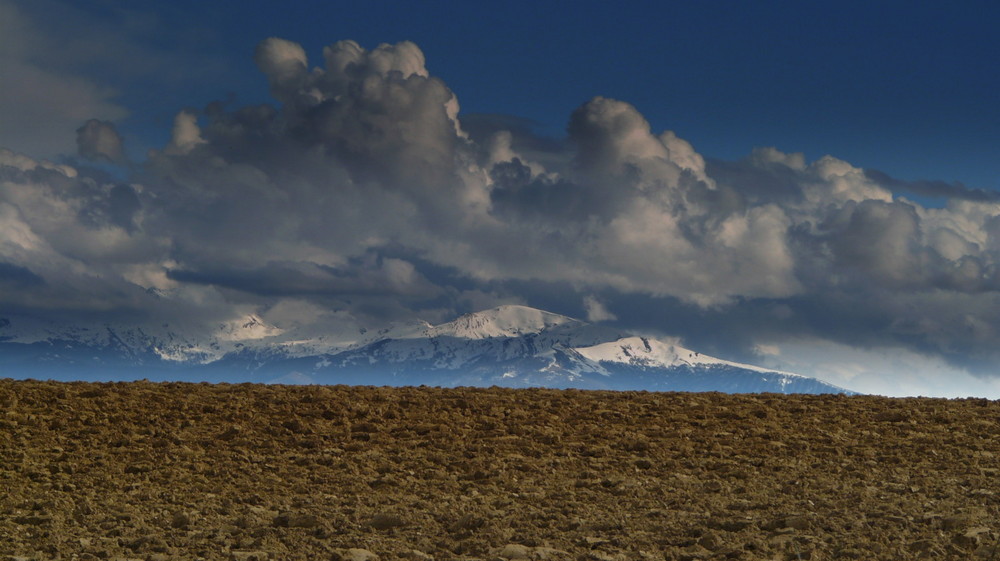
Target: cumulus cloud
(99, 140)
(185, 136)
(74, 233)
(285, 65)
(362, 184)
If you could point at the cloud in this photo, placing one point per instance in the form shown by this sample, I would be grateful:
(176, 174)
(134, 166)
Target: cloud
(77, 235)
(40, 103)
(67, 62)
(18, 277)
(285, 65)
(926, 188)
(371, 275)
(185, 136)
(99, 140)
(885, 370)
(596, 311)
(362, 190)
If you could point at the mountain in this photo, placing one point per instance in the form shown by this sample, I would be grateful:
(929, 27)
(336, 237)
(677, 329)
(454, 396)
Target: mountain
(514, 346)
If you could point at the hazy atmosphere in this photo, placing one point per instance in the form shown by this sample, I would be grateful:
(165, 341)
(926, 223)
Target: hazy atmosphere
(811, 188)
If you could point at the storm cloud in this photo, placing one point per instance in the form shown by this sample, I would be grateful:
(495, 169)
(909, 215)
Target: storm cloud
(360, 183)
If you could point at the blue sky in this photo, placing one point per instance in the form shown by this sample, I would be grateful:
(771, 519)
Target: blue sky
(217, 168)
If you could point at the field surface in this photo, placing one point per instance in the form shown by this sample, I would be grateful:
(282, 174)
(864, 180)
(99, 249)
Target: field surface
(167, 472)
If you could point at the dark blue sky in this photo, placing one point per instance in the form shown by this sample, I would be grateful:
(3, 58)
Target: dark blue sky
(907, 88)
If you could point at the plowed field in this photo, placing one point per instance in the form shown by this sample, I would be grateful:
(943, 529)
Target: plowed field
(196, 471)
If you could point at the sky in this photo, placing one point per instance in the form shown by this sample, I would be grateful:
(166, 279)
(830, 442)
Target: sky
(804, 186)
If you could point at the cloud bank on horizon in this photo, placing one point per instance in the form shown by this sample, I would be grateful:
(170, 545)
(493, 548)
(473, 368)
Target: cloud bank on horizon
(363, 191)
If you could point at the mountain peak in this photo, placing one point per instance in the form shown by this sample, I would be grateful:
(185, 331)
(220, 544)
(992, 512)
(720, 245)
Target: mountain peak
(502, 321)
(648, 352)
(507, 345)
(247, 328)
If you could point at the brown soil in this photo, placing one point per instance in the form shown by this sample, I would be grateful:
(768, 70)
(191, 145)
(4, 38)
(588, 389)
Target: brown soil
(187, 471)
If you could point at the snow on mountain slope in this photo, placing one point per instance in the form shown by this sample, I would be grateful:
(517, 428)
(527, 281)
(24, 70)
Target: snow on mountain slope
(498, 335)
(521, 347)
(512, 332)
(249, 328)
(503, 321)
(654, 353)
(27, 330)
(251, 334)
(189, 342)
(508, 345)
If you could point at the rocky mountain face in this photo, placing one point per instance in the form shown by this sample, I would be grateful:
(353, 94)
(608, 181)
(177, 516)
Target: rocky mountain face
(512, 346)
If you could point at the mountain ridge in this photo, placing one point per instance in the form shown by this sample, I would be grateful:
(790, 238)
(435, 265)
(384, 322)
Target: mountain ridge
(509, 345)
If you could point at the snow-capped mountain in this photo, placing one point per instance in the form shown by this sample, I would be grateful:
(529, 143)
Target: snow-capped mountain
(504, 321)
(508, 346)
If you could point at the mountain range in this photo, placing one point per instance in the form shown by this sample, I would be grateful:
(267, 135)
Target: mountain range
(514, 346)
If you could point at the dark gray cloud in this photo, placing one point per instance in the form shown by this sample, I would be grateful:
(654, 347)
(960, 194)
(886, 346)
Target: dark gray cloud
(17, 277)
(933, 188)
(369, 275)
(99, 140)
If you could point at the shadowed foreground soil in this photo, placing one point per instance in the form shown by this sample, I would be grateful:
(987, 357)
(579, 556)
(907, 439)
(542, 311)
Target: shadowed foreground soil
(248, 472)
